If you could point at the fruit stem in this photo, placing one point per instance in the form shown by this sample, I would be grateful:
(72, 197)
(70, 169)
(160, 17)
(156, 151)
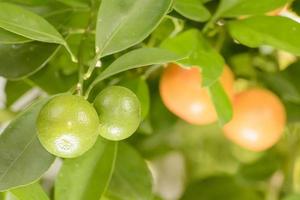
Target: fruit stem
(81, 73)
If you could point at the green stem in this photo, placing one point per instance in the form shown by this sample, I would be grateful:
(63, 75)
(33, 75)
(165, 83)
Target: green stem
(220, 40)
(210, 24)
(81, 72)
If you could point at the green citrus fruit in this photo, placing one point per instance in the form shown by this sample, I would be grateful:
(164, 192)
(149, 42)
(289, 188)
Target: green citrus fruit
(67, 126)
(119, 112)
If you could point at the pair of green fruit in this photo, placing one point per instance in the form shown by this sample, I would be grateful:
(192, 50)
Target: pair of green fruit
(69, 125)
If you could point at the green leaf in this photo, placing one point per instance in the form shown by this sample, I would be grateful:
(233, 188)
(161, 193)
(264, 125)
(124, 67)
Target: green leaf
(219, 187)
(140, 87)
(92, 170)
(261, 169)
(221, 102)
(286, 83)
(292, 197)
(122, 24)
(21, 151)
(134, 59)
(28, 24)
(293, 111)
(6, 115)
(14, 90)
(131, 178)
(100, 171)
(279, 32)
(30, 192)
(234, 8)
(192, 9)
(2, 196)
(192, 45)
(75, 3)
(7, 37)
(24, 59)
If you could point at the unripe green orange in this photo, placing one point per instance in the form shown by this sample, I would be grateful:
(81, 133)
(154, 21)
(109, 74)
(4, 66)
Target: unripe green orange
(67, 126)
(119, 112)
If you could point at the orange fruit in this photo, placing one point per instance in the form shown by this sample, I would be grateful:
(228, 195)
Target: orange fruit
(258, 120)
(182, 93)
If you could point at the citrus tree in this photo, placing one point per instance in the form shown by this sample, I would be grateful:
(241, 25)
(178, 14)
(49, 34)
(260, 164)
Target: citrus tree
(150, 99)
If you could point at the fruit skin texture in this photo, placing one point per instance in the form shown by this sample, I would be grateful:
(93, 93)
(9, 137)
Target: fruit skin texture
(182, 93)
(119, 112)
(258, 120)
(67, 126)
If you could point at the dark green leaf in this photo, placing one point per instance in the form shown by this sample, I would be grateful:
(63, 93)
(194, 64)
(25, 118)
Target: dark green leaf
(286, 83)
(137, 58)
(293, 111)
(280, 32)
(21, 60)
(21, 151)
(92, 170)
(222, 103)
(192, 45)
(30, 192)
(261, 169)
(122, 24)
(28, 24)
(7, 37)
(14, 90)
(217, 188)
(192, 9)
(233, 8)
(131, 178)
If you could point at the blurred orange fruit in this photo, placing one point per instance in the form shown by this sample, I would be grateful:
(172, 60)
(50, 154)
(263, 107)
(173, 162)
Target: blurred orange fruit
(182, 93)
(258, 120)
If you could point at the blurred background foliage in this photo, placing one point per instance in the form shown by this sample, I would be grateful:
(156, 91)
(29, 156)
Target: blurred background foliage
(187, 161)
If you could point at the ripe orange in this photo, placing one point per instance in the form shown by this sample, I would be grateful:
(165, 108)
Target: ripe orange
(182, 93)
(258, 120)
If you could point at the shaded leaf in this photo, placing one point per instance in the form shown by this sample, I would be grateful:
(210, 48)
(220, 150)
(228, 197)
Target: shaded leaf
(192, 45)
(23, 158)
(7, 37)
(192, 9)
(21, 60)
(14, 90)
(279, 32)
(260, 169)
(219, 187)
(23, 22)
(122, 24)
(28, 24)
